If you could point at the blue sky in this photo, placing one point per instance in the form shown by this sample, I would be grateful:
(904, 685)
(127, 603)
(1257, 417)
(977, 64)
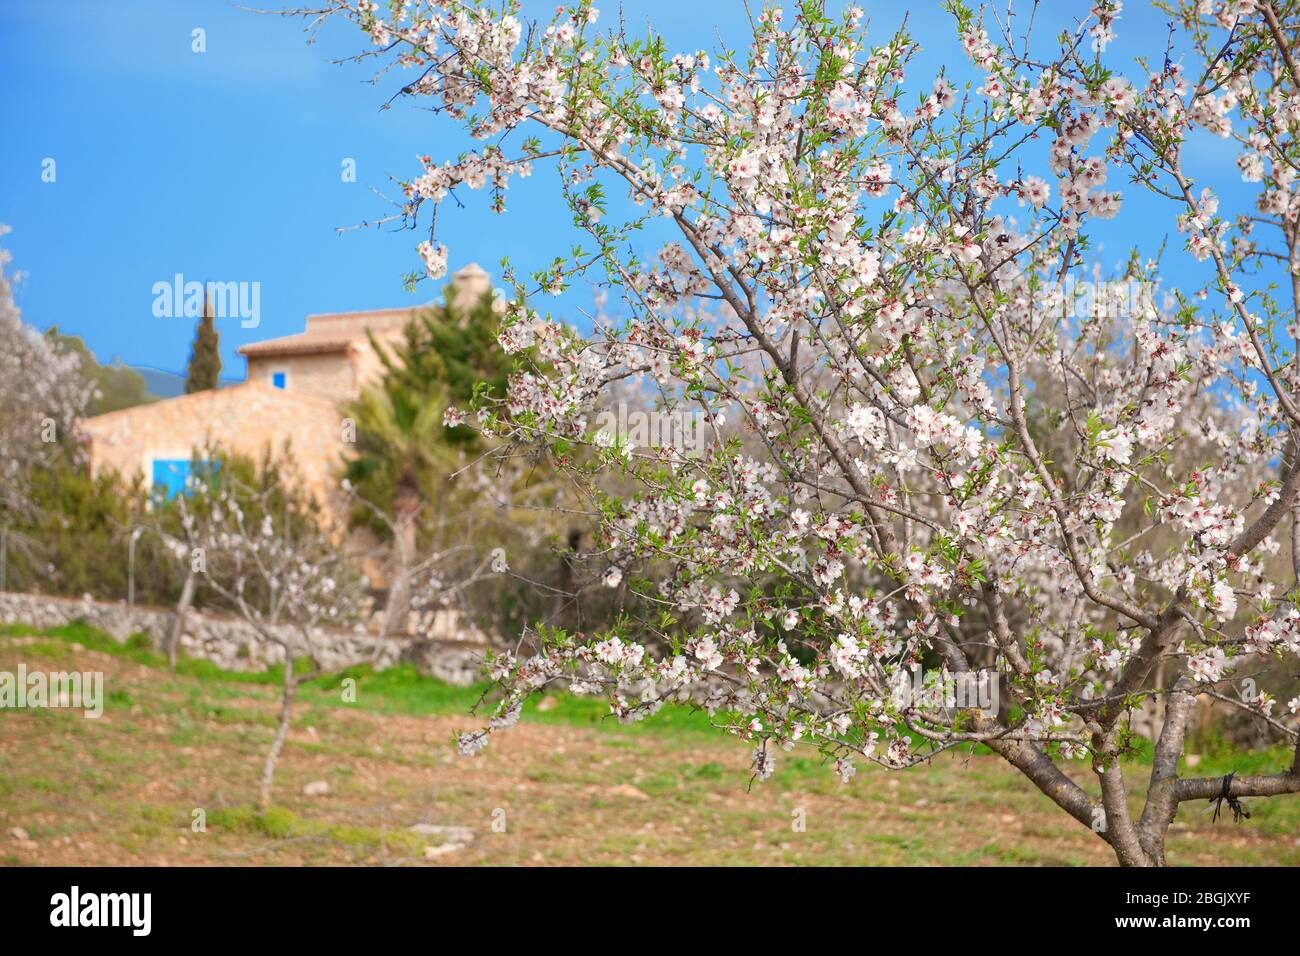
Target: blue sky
(226, 165)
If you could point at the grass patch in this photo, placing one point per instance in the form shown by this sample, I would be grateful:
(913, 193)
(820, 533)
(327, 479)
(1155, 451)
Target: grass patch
(396, 690)
(279, 823)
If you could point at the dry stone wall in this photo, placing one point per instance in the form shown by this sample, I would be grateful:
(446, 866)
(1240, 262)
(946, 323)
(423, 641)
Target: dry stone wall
(232, 644)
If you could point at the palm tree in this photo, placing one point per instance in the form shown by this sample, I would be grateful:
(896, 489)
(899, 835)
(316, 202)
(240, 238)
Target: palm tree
(404, 453)
(400, 467)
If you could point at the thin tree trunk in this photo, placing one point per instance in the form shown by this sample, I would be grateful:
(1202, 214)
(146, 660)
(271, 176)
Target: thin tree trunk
(289, 688)
(564, 584)
(178, 622)
(397, 610)
(1162, 790)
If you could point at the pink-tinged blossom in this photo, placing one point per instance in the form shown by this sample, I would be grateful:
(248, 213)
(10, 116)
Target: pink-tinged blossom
(1035, 191)
(1115, 446)
(435, 259)
(1207, 665)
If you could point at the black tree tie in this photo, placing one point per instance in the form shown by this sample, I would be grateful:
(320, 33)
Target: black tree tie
(1234, 804)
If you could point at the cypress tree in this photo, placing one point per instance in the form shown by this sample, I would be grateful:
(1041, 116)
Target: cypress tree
(204, 370)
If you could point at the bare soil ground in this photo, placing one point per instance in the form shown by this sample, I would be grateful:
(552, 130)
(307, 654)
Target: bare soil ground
(125, 788)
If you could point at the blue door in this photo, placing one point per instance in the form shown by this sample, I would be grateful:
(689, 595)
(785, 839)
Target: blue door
(170, 475)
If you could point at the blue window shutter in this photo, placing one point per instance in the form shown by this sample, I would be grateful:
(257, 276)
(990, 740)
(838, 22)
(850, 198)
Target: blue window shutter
(277, 379)
(169, 476)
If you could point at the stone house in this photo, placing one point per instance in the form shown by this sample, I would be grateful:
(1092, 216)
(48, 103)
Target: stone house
(158, 442)
(291, 398)
(332, 359)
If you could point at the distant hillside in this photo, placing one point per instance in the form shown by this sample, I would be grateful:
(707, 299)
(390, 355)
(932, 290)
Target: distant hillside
(164, 384)
(121, 385)
(117, 386)
(160, 383)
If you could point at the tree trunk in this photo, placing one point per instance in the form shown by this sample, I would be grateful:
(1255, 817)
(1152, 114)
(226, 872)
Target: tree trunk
(178, 622)
(397, 611)
(564, 595)
(406, 513)
(289, 688)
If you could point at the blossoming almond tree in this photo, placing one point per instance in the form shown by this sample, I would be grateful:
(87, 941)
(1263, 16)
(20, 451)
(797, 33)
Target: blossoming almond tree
(42, 394)
(284, 575)
(942, 459)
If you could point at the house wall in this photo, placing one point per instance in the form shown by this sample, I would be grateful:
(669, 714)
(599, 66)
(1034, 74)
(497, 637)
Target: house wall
(368, 368)
(357, 324)
(246, 419)
(328, 375)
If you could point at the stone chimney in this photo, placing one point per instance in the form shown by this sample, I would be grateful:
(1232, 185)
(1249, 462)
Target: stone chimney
(468, 286)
